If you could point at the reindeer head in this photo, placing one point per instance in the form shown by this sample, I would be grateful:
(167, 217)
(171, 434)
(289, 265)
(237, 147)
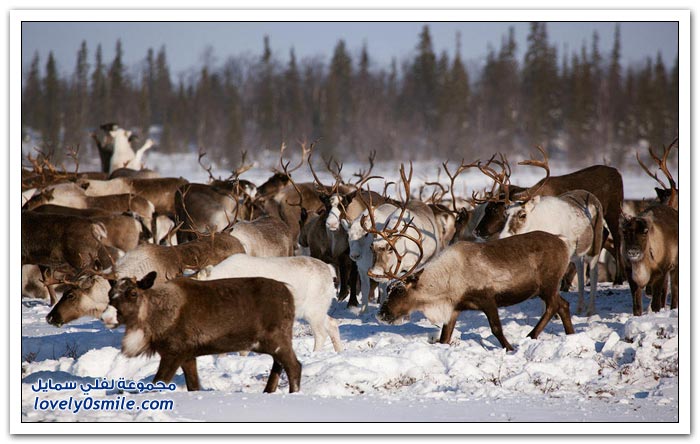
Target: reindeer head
(518, 217)
(88, 295)
(499, 198)
(635, 236)
(124, 297)
(397, 305)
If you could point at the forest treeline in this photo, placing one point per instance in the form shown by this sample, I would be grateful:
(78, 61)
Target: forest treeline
(582, 105)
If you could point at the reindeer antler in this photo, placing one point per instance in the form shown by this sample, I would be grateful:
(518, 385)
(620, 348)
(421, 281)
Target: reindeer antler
(285, 170)
(362, 175)
(453, 176)
(202, 154)
(501, 179)
(242, 168)
(661, 162)
(537, 163)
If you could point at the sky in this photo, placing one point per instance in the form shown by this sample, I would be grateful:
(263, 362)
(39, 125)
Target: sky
(186, 42)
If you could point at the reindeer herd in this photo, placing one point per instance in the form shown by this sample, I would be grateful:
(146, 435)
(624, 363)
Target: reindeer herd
(192, 269)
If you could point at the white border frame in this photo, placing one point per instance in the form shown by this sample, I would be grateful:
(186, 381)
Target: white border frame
(681, 16)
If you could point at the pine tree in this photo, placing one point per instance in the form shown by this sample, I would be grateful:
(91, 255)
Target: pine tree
(293, 109)
(234, 116)
(424, 79)
(459, 80)
(32, 109)
(267, 112)
(52, 108)
(615, 99)
(145, 96)
(539, 86)
(77, 101)
(673, 99)
(661, 132)
(444, 98)
(99, 99)
(117, 96)
(338, 101)
(162, 90)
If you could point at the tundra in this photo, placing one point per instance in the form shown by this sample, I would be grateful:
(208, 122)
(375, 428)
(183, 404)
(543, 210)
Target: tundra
(484, 276)
(185, 318)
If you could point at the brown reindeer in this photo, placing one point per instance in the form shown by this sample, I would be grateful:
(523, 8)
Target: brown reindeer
(484, 276)
(216, 205)
(54, 241)
(604, 182)
(86, 294)
(184, 318)
(124, 231)
(650, 255)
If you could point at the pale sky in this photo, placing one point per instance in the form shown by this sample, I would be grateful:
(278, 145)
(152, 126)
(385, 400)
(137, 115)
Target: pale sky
(185, 42)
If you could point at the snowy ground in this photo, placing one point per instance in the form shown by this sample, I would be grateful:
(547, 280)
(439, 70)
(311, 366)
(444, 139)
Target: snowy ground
(615, 368)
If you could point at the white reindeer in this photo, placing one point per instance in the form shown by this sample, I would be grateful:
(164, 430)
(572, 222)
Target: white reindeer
(577, 218)
(310, 280)
(123, 155)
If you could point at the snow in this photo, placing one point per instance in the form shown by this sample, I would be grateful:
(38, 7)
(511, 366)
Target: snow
(615, 368)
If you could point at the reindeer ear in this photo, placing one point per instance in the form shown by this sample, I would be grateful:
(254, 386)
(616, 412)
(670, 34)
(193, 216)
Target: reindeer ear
(345, 224)
(147, 281)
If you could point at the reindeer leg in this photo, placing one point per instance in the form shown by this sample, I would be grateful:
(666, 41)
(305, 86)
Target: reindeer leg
(447, 329)
(292, 367)
(490, 309)
(613, 222)
(343, 277)
(565, 315)
(636, 291)
(552, 304)
(189, 368)
(318, 328)
(334, 333)
(593, 270)
(568, 278)
(274, 378)
(167, 368)
(674, 288)
(578, 262)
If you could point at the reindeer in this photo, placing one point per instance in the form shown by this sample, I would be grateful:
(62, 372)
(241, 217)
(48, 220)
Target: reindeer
(87, 292)
(72, 196)
(577, 218)
(310, 281)
(65, 243)
(340, 207)
(187, 318)
(482, 276)
(160, 192)
(215, 206)
(124, 230)
(650, 255)
(123, 155)
(604, 182)
(385, 247)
